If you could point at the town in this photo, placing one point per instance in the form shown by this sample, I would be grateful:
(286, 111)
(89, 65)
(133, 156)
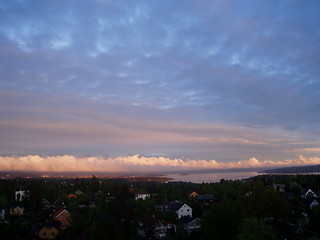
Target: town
(262, 207)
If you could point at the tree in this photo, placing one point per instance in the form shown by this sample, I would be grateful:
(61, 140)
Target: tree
(3, 202)
(295, 188)
(253, 229)
(94, 184)
(221, 222)
(315, 218)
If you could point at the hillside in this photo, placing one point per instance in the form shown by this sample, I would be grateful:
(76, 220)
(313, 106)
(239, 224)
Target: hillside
(303, 169)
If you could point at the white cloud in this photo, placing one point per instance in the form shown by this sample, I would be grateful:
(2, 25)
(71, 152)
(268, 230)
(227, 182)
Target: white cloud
(133, 163)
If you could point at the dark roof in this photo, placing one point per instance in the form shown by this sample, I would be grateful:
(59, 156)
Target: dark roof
(205, 197)
(52, 223)
(305, 191)
(176, 206)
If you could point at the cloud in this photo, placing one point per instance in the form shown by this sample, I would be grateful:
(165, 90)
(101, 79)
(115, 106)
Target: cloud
(134, 163)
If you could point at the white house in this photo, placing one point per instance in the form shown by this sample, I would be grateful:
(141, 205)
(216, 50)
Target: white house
(190, 224)
(142, 195)
(182, 209)
(160, 230)
(308, 193)
(170, 226)
(148, 226)
(314, 203)
(20, 195)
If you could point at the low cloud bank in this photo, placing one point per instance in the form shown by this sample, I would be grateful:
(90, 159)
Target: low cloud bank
(132, 163)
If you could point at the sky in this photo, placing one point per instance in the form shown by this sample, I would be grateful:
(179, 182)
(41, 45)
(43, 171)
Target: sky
(155, 85)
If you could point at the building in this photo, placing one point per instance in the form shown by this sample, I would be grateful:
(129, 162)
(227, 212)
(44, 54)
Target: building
(2, 214)
(16, 210)
(314, 203)
(190, 224)
(205, 198)
(63, 216)
(20, 195)
(193, 194)
(279, 187)
(182, 209)
(71, 196)
(49, 230)
(142, 196)
(308, 193)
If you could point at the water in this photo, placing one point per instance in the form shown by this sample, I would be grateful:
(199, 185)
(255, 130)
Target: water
(211, 177)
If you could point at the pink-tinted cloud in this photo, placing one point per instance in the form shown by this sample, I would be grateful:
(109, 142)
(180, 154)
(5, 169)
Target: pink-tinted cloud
(134, 163)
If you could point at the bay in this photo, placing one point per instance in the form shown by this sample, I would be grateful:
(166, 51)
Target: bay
(211, 177)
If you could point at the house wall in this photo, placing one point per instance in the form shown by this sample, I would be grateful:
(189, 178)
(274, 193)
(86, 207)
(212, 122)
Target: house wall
(16, 211)
(64, 218)
(142, 196)
(48, 233)
(2, 214)
(19, 195)
(185, 210)
(193, 226)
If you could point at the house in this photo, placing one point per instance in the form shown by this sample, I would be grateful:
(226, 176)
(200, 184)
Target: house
(279, 187)
(193, 194)
(248, 194)
(71, 196)
(46, 204)
(190, 224)
(150, 227)
(2, 214)
(142, 196)
(182, 209)
(308, 193)
(63, 216)
(171, 228)
(49, 230)
(314, 203)
(206, 198)
(16, 210)
(160, 231)
(78, 192)
(20, 195)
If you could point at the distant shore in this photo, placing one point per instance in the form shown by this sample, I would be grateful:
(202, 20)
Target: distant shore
(294, 170)
(67, 175)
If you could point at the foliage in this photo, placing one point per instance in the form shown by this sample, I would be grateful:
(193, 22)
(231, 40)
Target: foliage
(221, 222)
(253, 229)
